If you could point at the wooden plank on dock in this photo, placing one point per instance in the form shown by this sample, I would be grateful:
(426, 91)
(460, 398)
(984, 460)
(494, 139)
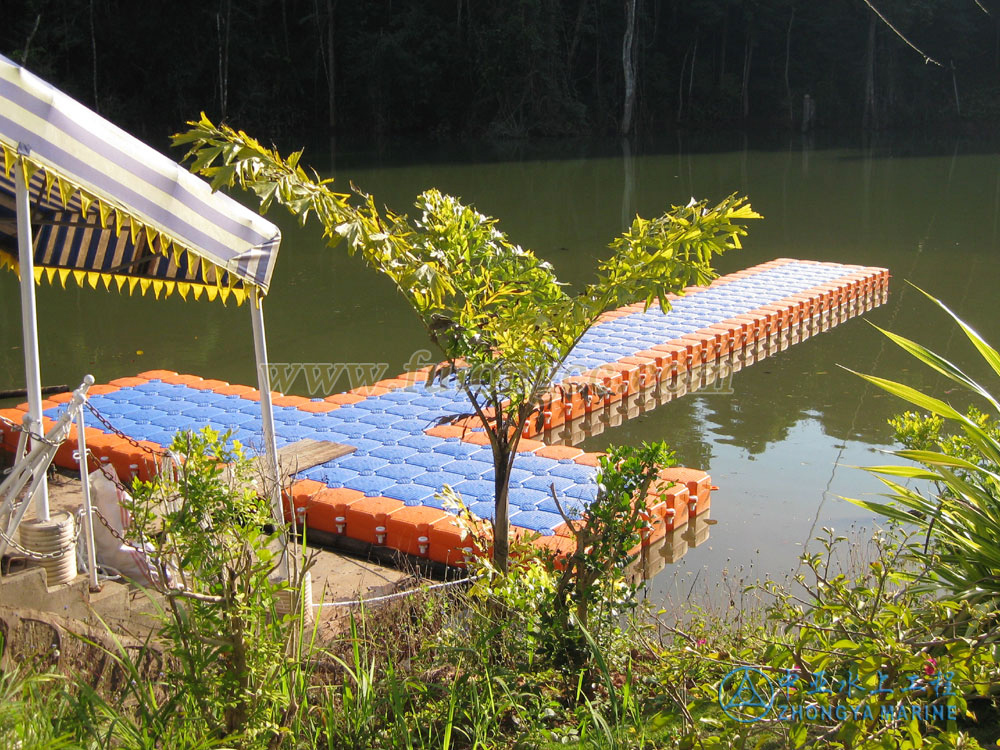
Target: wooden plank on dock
(298, 457)
(307, 453)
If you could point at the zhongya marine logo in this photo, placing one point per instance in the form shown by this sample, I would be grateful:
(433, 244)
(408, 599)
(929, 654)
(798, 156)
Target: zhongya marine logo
(746, 695)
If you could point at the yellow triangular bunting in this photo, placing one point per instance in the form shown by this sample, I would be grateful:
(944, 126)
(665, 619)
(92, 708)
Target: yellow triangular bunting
(120, 280)
(105, 211)
(93, 278)
(224, 293)
(157, 288)
(50, 180)
(197, 289)
(86, 201)
(150, 238)
(29, 168)
(212, 293)
(63, 274)
(78, 277)
(240, 296)
(144, 285)
(39, 272)
(119, 220)
(66, 191)
(8, 161)
(50, 274)
(133, 230)
(106, 278)
(183, 288)
(132, 281)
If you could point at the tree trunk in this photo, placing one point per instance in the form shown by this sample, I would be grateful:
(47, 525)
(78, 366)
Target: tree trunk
(694, 59)
(222, 27)
(680, 85)
(722, 48)
(747, 57)
(575, 39)
(869, 119)
(501, 518)
(93, 57)
(788, 57)
(629, 66)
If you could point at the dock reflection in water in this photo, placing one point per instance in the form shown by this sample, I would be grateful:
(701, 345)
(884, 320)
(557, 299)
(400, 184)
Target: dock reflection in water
(667, 546)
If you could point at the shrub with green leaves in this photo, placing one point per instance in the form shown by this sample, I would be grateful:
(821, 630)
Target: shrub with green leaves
(960, 517)
(231, 658)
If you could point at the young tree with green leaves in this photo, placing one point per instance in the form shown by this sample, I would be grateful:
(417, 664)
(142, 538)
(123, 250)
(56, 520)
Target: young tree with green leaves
(500, 316)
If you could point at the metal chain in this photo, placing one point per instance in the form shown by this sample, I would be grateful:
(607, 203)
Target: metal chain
(32, 555)
(40, 438)
(130, 440)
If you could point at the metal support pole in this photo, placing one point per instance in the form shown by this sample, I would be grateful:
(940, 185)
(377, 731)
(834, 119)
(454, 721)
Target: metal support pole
(273, 480)
(29, 324)
(88, 511)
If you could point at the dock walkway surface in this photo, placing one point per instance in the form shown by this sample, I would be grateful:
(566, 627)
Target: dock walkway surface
(411, 438)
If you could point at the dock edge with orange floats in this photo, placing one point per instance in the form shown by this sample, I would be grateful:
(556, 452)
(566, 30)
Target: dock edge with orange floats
(384, 494)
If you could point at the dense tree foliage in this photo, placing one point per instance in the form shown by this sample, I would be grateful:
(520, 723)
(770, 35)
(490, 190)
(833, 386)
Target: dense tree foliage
(521, 67)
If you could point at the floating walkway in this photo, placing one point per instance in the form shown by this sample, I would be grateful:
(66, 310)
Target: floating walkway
(406, 449)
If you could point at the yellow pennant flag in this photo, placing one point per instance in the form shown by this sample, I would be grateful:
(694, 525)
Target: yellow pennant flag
(29, 168)
(66, 191)
(105, 211)
(50, 180)
(8, 160)
(63, 275)
(86, 201)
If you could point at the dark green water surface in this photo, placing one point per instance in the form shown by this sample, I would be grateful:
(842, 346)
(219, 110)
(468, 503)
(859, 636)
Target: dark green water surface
(779, 445)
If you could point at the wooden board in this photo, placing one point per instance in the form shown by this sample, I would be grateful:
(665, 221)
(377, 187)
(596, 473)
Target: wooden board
(297, 457)
(307, 453)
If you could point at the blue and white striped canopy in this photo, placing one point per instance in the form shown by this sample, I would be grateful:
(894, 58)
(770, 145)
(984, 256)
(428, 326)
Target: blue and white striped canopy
(107, 208)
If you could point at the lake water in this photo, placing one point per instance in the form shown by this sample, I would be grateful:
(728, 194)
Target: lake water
(780, 443)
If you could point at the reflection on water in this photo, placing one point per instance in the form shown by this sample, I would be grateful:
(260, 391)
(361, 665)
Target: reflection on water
(779, 446)
(669, 546)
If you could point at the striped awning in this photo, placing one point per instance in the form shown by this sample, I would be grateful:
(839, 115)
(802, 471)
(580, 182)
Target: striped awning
(109, 210)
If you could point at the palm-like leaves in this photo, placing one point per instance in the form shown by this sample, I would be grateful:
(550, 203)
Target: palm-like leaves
(962, 516)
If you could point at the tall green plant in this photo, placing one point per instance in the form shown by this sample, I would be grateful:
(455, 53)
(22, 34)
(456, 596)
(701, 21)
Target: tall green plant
(961, 519)
(500, 316)
(234, 663)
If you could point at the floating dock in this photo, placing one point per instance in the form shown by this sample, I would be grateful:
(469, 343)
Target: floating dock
(409, 439)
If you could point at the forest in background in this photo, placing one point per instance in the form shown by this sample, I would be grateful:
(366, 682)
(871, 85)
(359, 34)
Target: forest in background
(461, 68)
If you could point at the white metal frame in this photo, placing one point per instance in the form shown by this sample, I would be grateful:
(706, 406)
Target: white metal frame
(30, 469)
(29, 325)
